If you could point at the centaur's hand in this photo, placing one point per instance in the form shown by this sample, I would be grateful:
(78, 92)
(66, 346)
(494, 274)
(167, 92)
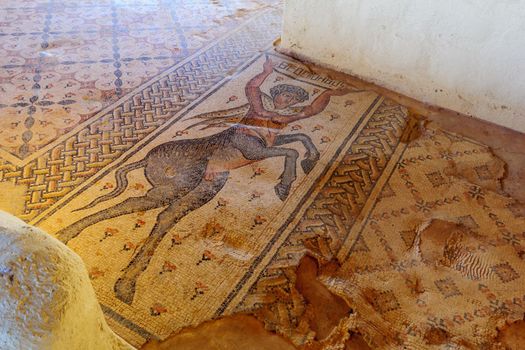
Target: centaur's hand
(340, 92)
(268, 65)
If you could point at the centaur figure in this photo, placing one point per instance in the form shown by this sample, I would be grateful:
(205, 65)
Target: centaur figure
(186, 174)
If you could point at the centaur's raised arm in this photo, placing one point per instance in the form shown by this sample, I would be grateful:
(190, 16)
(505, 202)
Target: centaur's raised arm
(316, 107)
(253, 91)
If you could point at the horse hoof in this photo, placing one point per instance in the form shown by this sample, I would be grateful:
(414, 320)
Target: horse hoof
(308, 165)
(125, 289)
(282, 191)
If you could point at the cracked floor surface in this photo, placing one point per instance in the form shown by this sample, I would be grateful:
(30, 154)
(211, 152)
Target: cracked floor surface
(374, 222)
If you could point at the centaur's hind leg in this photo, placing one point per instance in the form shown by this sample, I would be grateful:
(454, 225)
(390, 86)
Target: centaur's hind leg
(153, 199)
(200, 195)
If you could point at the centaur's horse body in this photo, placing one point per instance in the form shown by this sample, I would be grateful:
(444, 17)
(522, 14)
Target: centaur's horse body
(186, 174)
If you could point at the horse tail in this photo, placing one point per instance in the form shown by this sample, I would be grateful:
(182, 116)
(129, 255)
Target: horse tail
(122, 183)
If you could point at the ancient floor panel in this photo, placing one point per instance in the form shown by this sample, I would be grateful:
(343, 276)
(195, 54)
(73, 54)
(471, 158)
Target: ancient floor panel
(432, 258)
(203, 176)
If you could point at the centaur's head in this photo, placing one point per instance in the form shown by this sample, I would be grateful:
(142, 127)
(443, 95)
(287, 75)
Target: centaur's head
(285, 95)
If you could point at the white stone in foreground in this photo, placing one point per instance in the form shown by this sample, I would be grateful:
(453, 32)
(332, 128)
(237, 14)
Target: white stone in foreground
(46, 298)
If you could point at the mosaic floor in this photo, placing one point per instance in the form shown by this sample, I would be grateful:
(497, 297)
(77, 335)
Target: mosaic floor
(193, 168)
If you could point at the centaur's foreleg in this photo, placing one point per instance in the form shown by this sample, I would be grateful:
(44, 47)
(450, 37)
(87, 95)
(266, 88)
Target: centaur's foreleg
(312, 154)
(253, 148)
(196, 198)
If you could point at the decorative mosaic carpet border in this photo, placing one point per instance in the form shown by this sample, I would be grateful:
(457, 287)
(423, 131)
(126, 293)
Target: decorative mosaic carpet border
(77, 156)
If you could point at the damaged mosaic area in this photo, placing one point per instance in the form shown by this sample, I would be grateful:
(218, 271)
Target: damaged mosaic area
(223, 195)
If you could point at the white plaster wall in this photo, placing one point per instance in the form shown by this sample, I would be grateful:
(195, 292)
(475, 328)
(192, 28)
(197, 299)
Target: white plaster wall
(466, 55)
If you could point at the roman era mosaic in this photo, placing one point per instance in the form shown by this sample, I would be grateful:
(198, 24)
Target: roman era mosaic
(192, 168)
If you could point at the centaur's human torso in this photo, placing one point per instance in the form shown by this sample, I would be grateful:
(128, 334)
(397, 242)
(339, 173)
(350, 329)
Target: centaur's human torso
(251, 124)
